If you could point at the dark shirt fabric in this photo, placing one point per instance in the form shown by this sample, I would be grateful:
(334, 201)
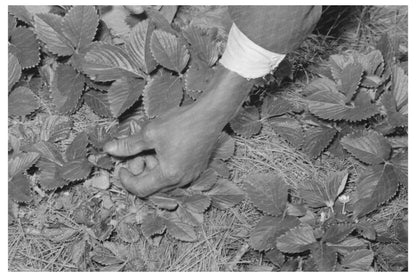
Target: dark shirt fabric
(280, 29)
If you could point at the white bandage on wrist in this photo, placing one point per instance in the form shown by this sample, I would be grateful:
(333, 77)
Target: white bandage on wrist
(246, 58)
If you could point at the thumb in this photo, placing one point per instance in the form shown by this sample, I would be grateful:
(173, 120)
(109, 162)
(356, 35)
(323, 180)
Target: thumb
(127, 146)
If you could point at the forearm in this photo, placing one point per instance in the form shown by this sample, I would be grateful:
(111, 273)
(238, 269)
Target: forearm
(245, 59)
(224, 97)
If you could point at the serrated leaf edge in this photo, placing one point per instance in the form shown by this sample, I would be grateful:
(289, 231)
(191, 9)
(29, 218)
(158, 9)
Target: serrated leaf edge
(46, 45)
(80, 178)
(362, 133)
(255, 204)
(38, 48)
(96, 28)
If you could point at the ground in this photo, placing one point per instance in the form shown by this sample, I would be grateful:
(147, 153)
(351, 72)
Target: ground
(223, 237)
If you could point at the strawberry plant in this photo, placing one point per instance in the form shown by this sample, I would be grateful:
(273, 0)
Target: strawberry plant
(64, 58)
(81, 76)
(356, 106)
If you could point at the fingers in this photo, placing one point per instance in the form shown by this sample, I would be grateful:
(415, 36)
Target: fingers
(144, 184)
(137, 165)
(127, 146)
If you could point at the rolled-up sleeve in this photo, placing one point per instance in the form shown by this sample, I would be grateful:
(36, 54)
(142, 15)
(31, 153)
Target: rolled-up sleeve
(280, 29)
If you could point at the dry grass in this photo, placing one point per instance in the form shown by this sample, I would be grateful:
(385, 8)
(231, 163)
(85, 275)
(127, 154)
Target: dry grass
(224, 234)
(32, 252)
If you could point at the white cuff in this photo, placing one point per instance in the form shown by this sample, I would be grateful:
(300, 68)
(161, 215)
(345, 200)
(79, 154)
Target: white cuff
(246, 58)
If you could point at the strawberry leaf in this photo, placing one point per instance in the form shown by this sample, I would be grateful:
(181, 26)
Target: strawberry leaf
(263, 237)
(128, 232)
(48, 151)
(350, 80)
(98, 102)
(373, 63)
(224, 147)
(388, 46)
(62, 234)
(21, 13)
(189, 217)
(153, 225)
(99, 136)
(197, 77)
(220, 168)
(376, 186)
(48, 28)
(247, 122)
(289, 129)
(225, 194)
(22, 102)
(105, 257)
(21, 162)
(338, 232)
(371, 81)
(324, 256)
(105, 62)
(76, 170)
(164, 202)
(35, 9)
(115, 18)
(50, 175)
(123, 93)
(318, 194)
(67, 88)
(349, 244)
(159, 20)
(205, 181)
(169, 51)
(138, 46)
(400, 165)
(78, 147)
(162, 93)
(275, 106)
(27, 47)
(317, 139)
(19, 188)
(366, 229)
(181, 231)
(80, 25)
(359, 260)
(395, 118)
(78, 251)
(55, 128)
(11, 24)
(296, 240)
(268, 192)
(368, 146)
(168, 12)
(203, 45)
(337, 64)
(196, 203)
(14, 70)
(100, 86)
(399, 88)
(327, 103)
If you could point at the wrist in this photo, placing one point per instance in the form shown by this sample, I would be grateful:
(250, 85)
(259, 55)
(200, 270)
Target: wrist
(225, 95)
